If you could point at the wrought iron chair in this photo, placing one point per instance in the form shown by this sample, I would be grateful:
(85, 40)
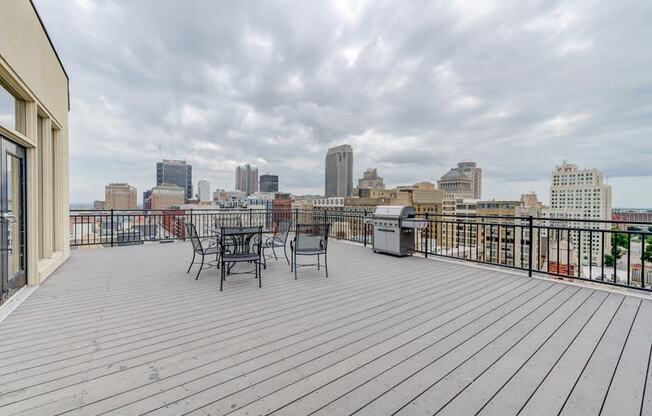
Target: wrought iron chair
(310, 240)
(279, 239)
(203, 247)
(240, 245)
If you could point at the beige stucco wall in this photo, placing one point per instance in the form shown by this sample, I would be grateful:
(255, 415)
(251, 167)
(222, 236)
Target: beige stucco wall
(30, 68)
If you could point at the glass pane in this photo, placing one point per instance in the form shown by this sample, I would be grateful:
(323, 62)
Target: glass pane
(14, 217)
(7, 109)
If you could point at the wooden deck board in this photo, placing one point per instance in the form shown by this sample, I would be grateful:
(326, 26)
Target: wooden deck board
(126, 331)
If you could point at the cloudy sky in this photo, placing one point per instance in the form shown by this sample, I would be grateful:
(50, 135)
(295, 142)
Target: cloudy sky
(413, 86)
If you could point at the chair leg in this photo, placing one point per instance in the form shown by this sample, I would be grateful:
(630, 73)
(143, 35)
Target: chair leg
(260, 276)
(285, 251)
(191, 261)
(317, 261)
(326, 263)
(200, 267)
(274, 252)
(221, 276)
(295, 265)
(264, 259)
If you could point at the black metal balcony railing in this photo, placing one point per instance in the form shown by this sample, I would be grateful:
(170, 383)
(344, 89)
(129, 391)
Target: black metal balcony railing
(611, 252)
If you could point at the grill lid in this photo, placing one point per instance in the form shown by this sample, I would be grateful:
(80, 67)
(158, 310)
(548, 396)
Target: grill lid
(394, 211)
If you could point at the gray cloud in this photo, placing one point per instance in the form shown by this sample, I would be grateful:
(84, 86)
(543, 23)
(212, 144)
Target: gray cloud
(413, 86)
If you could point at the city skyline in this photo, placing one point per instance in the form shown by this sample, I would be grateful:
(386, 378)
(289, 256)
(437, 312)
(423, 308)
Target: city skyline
(291, 83)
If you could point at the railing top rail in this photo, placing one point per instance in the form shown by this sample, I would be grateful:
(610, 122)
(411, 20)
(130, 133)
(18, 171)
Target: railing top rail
(356, 211)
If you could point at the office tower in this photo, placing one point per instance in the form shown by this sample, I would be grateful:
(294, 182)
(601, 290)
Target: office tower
(204, 191)
(339, 171)
(246, 179)
(462, 182)
(120, 196)
(146, 199)
(176, 172)
(371, 180)
(581, 194)
(472, 170)
(167, 195)
(268, 183)
(456, 185)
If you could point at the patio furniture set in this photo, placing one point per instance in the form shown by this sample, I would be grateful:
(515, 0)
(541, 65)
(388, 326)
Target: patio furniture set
(233, 244)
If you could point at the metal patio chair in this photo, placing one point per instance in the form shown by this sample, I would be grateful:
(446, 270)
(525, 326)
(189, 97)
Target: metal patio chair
(240, 245)
(203, 247)
(279, 239)
(310, 240)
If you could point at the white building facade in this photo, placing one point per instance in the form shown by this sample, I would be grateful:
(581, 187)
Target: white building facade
(581, 194)
(204, 191)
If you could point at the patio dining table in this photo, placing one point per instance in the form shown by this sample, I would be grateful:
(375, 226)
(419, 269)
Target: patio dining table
(237, 233)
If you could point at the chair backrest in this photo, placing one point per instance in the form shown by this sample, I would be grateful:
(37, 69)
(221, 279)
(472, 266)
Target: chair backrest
(241, 239)
(194, 237)
(311, 236)
(282, 230)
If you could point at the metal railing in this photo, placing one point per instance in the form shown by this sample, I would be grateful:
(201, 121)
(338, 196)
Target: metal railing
(611, 252)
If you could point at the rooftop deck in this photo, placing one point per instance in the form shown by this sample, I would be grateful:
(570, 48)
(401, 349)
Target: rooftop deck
(125, 331)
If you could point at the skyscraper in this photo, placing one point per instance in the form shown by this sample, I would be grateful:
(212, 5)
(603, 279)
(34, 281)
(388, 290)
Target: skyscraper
(581, 194)
(472, 170)
(246, 179)
(462, 182)
(175, 172)
(119, 196)
(268, 183)
(204, 191)
(339, 171)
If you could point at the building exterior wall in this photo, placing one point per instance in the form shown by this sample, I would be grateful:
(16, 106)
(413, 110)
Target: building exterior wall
(246, 179)
(371, 180)
(581, 194)
(167, 196)
(204, 191)
(120, 196)
(339, 172)
(176, 172)
(31, 71)
(268, 183)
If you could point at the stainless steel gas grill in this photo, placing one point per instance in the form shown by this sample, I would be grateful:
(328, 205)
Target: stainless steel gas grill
(394, 229)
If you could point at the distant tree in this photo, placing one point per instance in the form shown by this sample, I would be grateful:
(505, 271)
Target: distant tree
(647, 252)
(609, 260)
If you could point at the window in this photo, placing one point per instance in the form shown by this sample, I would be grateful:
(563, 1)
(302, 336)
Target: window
(7, 109)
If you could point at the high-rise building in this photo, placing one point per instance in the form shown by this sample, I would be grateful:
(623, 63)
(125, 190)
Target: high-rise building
(462, 182)
(120, 196)
(146, 199)
(339, 171)
(204, 191)
(456, 185)
(371, 180)
(268, 183)
(166, 196)
(176, 172)
(581, 194)
(472, 170)
(246, 179)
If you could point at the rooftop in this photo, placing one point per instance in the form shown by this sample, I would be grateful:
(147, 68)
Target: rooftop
(126, 331)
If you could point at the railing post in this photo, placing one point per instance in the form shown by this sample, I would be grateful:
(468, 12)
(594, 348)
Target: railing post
(530, 245)
(364, 227)
(111, 227)
(191, 222)
(427, 235)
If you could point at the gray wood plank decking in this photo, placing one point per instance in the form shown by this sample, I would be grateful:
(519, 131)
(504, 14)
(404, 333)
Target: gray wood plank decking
(126, 331)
